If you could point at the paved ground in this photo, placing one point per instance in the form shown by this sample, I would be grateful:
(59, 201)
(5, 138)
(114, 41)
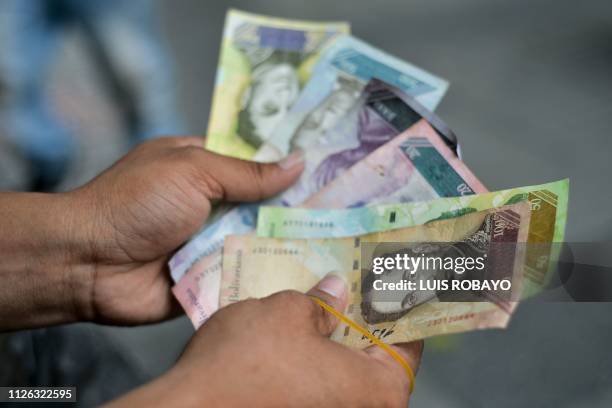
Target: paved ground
(531, 100)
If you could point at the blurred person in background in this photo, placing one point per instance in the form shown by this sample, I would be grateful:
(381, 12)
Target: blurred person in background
(125, 44)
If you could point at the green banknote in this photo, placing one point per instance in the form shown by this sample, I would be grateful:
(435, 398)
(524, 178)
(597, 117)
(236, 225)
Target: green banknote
(264, 62)
(548, 203)
(258, 266)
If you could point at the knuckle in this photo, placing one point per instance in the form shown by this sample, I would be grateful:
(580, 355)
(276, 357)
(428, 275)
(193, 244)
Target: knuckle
(244, 307)
(209, 186)
(250, 304)
(302, 311)
(287, 297)
(292, 302)
(257, 176)
(182, 158)
(196, 141)
(258, 170)
(237, 316)
(189, 161)
(191, 153)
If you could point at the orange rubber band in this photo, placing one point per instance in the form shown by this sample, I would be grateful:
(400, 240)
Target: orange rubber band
(372, 338)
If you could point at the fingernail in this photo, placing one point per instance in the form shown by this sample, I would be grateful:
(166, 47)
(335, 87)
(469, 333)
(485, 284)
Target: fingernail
(333, 284)
(296, 157)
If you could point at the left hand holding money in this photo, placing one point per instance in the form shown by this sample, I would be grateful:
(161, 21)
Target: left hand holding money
(100, 253)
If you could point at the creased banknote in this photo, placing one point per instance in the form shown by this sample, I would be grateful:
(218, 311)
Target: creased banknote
(263, 64)
(338, 79)
(415, 166)
(548, 217)
(382, 114)
(385, 115)
(385, 121)
(256, 267)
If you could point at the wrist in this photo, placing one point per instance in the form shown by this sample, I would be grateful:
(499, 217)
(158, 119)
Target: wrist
(75, 235)
(45, 267)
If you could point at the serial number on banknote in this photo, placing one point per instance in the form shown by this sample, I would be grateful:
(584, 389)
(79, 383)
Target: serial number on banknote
(308, 223)
(274, 251)
(451, 319)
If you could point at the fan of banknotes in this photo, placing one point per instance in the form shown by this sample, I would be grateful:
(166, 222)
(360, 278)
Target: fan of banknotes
(380, 167)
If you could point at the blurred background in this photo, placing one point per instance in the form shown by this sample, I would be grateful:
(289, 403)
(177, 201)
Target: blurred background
(530, 99)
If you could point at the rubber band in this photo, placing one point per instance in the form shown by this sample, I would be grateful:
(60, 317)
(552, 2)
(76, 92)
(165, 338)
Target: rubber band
(371, 337)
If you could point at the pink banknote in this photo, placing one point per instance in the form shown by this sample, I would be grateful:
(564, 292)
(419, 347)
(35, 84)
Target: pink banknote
(415, 166)
(401, 155)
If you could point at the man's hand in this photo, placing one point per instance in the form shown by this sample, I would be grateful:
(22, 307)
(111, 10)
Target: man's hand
(275, 352)
(100, 253)
(146, 205)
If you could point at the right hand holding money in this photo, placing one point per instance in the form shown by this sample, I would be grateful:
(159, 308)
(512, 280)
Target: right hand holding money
(276, 351)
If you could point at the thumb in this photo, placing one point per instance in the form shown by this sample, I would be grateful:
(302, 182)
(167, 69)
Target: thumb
(333, 291)
(232, 179)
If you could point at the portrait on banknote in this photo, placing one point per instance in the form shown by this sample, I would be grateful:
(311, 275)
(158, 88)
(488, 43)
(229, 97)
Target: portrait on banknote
(276, 57)
(431, 267)
(313, 129)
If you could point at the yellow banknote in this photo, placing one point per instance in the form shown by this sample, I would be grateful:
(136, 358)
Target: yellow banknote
(263, 64)
(256, 267)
